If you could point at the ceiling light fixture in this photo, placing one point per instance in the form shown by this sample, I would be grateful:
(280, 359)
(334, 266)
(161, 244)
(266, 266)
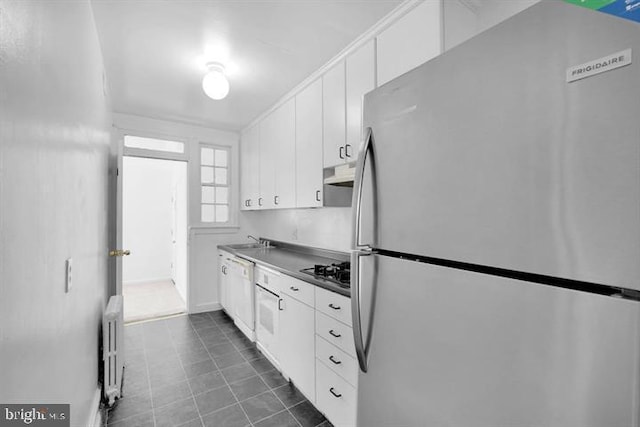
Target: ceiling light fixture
(215, 83)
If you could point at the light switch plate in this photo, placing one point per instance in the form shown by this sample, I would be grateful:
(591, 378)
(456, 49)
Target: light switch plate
(69, 276)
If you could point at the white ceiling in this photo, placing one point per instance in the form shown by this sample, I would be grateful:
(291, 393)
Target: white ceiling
(154, 51)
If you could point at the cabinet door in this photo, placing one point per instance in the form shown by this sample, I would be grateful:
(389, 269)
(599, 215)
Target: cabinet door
(360, 80)
(249, 168)
(244, 170)
(412, 40)
(309, 146)
(460, 23)
(254, 167)
(285, 155)
(267, 155)
(333, 115)
(297, 344)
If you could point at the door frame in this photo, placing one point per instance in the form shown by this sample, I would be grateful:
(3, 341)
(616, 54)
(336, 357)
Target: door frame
(149, 154)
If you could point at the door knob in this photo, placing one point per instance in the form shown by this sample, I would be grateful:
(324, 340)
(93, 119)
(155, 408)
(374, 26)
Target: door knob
(120, 252)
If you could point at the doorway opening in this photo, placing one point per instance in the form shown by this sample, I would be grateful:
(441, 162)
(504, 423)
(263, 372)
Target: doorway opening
(154, 229)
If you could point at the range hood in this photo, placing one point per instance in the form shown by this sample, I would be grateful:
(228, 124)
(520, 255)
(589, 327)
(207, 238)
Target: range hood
(341, 175)
(338, 185)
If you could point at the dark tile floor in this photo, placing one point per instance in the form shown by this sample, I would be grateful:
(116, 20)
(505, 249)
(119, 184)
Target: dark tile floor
(200, 370)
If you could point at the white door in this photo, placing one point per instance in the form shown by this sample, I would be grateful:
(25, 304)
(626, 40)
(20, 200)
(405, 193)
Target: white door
(115, 231)
(174, 228)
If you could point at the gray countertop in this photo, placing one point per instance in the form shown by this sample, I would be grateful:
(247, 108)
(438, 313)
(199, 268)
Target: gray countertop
(290, 259)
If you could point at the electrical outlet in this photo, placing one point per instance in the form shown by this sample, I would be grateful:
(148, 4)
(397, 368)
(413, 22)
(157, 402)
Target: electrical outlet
(69, 275)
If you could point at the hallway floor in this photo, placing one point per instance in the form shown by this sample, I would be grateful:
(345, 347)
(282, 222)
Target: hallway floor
(143, 301)
(200, 370)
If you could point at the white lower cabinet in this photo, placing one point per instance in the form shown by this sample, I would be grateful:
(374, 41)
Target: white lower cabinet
(335, 397)
(297, 344)
(224, 279)
(309, 338)
(340, 362)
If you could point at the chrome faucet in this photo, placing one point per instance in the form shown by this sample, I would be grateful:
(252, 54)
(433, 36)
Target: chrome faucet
(263, 242)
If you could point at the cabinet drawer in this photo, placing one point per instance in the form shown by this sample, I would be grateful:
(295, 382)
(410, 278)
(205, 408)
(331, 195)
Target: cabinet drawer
(336, 333)
(339, 361)
(302, 291)
(334, 305)
(335, 397)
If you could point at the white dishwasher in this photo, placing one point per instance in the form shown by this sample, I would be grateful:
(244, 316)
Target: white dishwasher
(267, 312)
(242, 289)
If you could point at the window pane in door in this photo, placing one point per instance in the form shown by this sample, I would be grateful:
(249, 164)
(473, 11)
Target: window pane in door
(222, 213)
(207, 214)
(221, 176)
(206, 175)
(208, 195)
(222, 195)
(221, 158)
(206, 156)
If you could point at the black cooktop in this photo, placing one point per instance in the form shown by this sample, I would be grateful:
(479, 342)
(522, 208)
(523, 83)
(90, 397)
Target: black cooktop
(338, 273)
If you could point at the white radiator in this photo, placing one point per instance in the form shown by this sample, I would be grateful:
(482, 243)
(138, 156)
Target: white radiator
(113, 350)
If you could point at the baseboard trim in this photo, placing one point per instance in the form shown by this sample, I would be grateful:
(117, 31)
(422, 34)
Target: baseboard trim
(201, 308)
(95, 413)
(143, 281)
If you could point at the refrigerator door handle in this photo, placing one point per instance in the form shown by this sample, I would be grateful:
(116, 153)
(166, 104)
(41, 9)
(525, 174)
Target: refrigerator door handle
(365, 148)
(360, 249)
(358, 338)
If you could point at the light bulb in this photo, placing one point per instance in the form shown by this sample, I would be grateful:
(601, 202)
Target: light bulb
(215, 83)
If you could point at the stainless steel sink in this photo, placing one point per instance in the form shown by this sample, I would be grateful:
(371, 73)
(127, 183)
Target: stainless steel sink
(246, 246)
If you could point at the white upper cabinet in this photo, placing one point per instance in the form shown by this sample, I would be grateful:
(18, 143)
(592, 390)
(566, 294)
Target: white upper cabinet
(285, 155)
(333, 115)
(309, 146)
(267, 155)
(410, 41)
(460, 23)
(360, 79)
(250, 168)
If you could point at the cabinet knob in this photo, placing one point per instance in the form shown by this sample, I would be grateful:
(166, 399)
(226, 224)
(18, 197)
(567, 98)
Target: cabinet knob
(275, 199)
(346, 150)
(294, 289)
(341, 152)
(317, 195)
(334, 393)
(260, 201)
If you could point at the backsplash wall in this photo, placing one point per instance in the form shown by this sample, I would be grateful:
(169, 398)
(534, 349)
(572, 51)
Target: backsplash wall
(327, 228)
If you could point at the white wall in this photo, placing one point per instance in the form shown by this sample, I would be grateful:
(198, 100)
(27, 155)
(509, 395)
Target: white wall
(328, 228)
(54, 155)
(202, 241)
(147, 217)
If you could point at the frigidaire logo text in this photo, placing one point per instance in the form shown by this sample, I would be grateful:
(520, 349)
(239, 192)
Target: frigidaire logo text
(598, 65)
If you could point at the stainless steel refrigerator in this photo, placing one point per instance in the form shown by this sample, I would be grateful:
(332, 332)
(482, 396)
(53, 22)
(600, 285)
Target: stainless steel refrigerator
(496, 256)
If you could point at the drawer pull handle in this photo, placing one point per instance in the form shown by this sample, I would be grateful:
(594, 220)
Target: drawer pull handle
(335, 307)
(334, 334)
(294, 289)
(334, 393)
(337, 362)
